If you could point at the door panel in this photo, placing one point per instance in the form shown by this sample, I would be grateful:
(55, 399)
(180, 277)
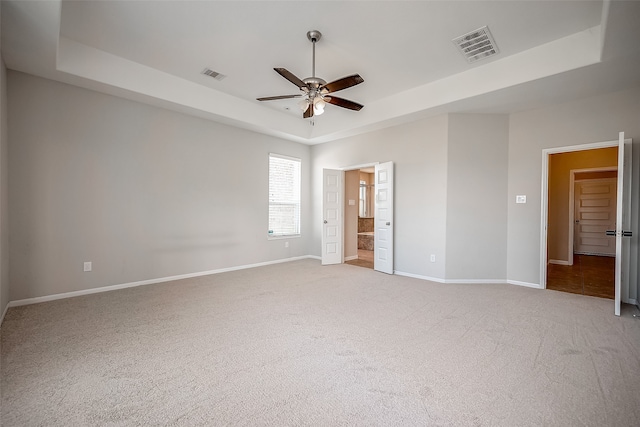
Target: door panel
(595, 213)
(332, 190)
(623, 220)
(383, 236)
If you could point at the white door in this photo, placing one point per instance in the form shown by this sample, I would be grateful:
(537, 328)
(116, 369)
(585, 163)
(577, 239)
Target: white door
(332, 189)
(623, 220)
(595, 213)
(383, 219)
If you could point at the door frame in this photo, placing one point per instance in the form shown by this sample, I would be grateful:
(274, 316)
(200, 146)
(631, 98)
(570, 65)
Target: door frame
(346, 169)
(572, 183)
(544, 215)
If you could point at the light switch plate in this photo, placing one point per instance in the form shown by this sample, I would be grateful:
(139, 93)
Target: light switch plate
(352, 202)
(521, 199)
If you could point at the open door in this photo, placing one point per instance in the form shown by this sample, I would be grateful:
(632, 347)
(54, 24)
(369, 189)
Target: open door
(623, 220)
(383, 238)
(332, 189)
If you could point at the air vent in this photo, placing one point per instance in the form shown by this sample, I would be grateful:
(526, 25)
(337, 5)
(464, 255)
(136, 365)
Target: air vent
(476, 45)
(209, 72)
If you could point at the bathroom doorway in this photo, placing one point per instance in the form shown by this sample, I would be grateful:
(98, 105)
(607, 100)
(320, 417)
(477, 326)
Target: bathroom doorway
(359, 217)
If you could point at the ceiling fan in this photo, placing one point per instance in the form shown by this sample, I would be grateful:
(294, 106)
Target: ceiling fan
(314, 90)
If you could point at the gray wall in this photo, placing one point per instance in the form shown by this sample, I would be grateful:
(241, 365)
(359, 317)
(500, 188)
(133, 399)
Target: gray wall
(419, 153)
(451, 192)
(585, 121)
(141, 192)
(4, 192)
(477, 196)
(147, 193)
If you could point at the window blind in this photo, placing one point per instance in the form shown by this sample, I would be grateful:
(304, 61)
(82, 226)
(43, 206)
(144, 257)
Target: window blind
(284, 195)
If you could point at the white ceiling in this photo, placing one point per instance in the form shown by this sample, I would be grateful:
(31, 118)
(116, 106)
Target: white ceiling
(154, 52)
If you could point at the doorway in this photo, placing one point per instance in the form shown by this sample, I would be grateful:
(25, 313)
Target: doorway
(359, 217)
(624, 269)
(336, 202)
(581, 209)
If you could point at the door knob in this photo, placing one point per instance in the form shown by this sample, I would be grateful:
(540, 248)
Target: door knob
(388, 223)
(325, 221)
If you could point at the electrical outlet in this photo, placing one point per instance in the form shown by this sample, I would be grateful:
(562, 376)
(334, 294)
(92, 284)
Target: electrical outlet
(286, 244)
(433, 258)
(87, 266)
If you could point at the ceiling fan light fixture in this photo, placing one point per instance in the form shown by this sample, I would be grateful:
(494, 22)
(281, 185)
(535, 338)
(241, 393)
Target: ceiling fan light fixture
(304, 104)
(318, 105)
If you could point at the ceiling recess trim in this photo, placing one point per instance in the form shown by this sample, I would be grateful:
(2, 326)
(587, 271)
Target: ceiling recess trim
(476, 45)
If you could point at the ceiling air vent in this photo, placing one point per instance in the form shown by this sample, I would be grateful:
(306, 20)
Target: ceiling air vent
(477, 44)
(209, 72)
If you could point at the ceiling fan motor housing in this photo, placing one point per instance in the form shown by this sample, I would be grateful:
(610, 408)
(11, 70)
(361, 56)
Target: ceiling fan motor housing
(314, 35)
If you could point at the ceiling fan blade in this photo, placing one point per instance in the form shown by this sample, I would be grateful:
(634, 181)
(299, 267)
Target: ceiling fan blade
(344, 103)
(271, 98)
(308, 113)
(343, 83)
(291, 77)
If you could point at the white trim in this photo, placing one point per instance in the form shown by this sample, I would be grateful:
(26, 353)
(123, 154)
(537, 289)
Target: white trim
(572, 184)
(559, 262)
(72, 294)
(357, 167)
(526, 284)
(282, 156)
(476, 281)
(6, 308)
(595, 254)
(544, 208)
(284, 236)
(418, 276)
(319, 258)
(453, 281)
(350, 258)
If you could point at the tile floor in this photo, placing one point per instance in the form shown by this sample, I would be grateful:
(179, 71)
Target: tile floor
(589, 275)
(365, 259)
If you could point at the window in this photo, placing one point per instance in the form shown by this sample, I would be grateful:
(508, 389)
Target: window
(363, 199)
(284, 196)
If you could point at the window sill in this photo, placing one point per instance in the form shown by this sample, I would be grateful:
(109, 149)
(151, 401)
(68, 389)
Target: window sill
(288, 236)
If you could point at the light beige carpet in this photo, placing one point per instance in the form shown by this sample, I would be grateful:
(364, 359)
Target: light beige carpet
(302, 344)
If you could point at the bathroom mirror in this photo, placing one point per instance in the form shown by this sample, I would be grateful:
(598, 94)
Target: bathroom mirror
(365, 210)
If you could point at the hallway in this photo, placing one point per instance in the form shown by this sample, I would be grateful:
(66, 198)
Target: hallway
(589, 275)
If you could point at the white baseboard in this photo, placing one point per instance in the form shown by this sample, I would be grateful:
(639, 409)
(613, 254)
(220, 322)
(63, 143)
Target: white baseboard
(470, 281)
(595, 254)
(64, 295)
(476, 281)
(453, 281)
(350, 258)
(418, 276)
(558, 262)
(526, 284)
(3, 313)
